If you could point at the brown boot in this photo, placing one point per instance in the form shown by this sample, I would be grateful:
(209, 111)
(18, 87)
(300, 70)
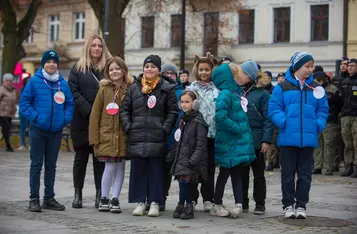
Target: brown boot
(354, 174)
(348, 170)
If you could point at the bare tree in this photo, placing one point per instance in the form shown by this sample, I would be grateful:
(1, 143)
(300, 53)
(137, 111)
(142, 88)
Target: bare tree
(15, 33)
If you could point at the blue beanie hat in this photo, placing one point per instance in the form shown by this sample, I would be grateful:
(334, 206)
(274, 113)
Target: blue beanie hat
(251, 69)
(49, 55)
(299, 59)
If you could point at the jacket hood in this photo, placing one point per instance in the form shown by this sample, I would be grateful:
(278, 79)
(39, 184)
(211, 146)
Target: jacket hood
(107, 82)
(39, 74)
(223, 78)
(290, 77)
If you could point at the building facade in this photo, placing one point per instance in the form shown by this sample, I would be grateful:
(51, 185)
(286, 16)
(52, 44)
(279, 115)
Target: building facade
(267, 31)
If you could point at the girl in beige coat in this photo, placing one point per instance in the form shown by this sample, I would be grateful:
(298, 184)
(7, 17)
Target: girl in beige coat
(106, 134)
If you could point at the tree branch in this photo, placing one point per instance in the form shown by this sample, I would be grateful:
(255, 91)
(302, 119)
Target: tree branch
(26, 22)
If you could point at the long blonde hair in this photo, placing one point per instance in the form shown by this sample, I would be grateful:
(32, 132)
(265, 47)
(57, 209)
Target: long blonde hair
(83, 65)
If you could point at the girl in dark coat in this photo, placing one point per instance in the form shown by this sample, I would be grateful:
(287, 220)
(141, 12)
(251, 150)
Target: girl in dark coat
(189, 154)
(84, 83)
(148, 115)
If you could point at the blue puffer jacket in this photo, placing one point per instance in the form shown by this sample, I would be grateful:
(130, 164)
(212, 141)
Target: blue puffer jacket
(234, 143)
(299, 116)
(39, 107)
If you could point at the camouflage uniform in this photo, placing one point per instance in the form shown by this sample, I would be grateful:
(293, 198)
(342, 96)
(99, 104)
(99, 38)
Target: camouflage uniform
(325, 154)
(272, 155)
(349, 135)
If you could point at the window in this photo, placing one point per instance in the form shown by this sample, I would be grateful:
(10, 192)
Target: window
(53, 28)
(79, 25)
(211, 23)
(176, 30)
(319, 22)
(29, 40)
(246, 26)
(147, 31)
(282, 24)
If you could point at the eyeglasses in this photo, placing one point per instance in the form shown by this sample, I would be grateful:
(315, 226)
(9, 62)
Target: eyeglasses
(169, 74)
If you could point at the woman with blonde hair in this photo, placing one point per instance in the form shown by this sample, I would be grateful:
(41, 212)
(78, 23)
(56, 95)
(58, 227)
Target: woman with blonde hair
(84, 83)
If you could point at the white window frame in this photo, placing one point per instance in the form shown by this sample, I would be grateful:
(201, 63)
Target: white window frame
(80, 21)
(29, 40)
(56, 24)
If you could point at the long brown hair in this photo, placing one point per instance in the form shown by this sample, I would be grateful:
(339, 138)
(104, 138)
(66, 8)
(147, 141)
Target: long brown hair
(120, 62)
(83, 65)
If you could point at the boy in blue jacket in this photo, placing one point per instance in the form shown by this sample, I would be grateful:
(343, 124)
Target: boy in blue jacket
(47, 103)
(299, 108)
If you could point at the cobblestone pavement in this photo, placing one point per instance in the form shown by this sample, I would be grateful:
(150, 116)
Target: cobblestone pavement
(331, 198)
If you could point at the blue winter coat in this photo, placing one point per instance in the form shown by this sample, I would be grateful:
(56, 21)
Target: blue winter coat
(299, 116)
(234, 143)
(37, 103)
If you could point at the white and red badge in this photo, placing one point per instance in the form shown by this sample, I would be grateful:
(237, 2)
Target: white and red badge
(59, 97)
(112, 108)
(152, 101)
(244, 103)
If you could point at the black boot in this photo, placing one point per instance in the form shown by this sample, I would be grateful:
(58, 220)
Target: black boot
(98, 195)
(354, 175)
(178, 211)
(348, 170)
(187, 212)
(77, 202)
(317, 172)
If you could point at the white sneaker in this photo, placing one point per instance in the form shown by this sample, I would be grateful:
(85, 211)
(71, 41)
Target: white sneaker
(194, 204)
(154, 210)
(236, 210)
(22, 148)
(300, 213)
(139, 210)
(289, 213)
(219, 210)
(207, 206)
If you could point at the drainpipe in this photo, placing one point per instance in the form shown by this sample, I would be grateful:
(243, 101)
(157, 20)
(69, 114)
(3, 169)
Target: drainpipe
(345, 27)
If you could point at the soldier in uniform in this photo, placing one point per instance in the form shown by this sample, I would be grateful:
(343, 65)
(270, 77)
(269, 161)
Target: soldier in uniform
(325, 154)
(349, 119)
(337, 81)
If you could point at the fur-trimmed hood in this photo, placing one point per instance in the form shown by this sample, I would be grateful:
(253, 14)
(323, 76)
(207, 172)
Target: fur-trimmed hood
(107, 82)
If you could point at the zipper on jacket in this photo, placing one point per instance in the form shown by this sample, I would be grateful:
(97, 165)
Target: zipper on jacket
(301, 106)
(51, 110)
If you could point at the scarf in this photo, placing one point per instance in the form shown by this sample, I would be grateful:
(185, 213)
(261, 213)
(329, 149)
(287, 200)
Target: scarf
(53, 77)
(149, 85)
(187, 117)
(203, 85)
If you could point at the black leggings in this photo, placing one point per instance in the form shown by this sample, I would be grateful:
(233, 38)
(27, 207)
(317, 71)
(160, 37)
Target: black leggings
(5, 123)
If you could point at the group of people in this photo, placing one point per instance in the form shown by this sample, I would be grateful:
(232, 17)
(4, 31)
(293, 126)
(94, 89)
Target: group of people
(170, 128)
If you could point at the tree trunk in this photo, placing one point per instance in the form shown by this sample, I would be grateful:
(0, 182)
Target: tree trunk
(116, 37)
(15, 33)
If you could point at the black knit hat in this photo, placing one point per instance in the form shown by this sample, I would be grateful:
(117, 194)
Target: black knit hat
(49, 55)
(185, 71)
(155, 59)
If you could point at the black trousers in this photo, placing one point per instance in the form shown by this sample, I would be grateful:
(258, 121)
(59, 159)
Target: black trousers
(259, 187)
(5, 123)
(236, 178)
(167, 179)
(207, 188)
(80, 166)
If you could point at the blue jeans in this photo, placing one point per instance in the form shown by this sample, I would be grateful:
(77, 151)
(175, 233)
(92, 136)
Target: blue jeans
(301, 161)
(146, 182)
(44, 147)
(24, 123)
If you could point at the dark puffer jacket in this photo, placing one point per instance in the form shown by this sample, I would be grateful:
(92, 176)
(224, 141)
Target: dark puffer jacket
(189, 155)
(148, 129)
(84, 88)
(349, 94)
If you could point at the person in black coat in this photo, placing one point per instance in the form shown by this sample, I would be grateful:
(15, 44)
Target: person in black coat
(84, 84)
(189, 154)
(148, 114)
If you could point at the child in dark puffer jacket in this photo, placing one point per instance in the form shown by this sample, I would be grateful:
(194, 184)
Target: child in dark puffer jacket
(189, 155)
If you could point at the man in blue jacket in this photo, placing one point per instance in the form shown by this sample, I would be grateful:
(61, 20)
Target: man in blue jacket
(48, 104)
(299, 108)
